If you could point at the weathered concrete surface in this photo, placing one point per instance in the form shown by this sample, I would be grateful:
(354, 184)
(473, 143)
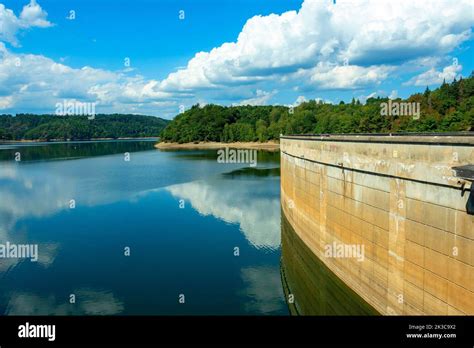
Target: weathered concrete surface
(309, 286)
(399, 198)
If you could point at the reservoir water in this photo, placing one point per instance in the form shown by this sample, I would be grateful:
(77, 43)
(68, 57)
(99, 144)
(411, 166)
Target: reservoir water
(166, 232)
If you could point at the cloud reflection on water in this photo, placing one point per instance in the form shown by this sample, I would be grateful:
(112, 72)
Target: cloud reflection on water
(263, 286)
(88, 302)
(242, 203)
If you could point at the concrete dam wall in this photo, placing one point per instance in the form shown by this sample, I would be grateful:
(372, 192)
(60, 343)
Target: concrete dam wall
(388, 215)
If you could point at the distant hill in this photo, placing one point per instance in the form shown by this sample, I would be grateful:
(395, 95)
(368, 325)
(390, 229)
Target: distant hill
(447, 108)
(47, 127)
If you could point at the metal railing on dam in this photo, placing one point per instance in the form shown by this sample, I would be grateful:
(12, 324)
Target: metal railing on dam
(390, 215)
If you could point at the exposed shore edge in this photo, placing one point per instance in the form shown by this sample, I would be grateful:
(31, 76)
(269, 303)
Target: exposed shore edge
(268, 146)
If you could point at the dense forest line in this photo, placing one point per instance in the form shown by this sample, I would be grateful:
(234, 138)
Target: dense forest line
(450, 107)
(48, 127)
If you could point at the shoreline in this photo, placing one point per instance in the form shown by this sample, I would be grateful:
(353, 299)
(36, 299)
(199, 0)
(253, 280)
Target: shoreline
(211, 145)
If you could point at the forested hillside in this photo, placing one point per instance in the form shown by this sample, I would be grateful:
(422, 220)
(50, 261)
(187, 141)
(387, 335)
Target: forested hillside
(447, 108)
(47, 127)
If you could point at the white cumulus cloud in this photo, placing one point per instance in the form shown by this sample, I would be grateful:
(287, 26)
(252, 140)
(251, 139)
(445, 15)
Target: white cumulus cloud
(260, 98)
(433, 76)
(321, 46)
(348, 45)
(30, 81)
(32, 15)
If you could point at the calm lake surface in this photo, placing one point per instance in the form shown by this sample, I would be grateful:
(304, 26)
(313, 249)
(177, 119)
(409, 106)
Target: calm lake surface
(181, 213)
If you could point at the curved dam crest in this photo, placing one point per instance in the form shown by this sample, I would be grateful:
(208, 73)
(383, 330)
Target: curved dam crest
(399, 202)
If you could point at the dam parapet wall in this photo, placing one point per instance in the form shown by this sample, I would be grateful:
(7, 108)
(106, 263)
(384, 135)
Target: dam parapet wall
(399, 200)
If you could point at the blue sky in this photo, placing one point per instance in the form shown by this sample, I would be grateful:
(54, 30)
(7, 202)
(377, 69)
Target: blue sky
(147, 31)
(354, 48)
